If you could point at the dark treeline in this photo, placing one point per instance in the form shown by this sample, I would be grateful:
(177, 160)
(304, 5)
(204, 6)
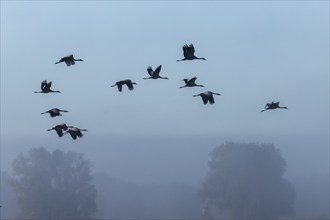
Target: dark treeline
(244, 180)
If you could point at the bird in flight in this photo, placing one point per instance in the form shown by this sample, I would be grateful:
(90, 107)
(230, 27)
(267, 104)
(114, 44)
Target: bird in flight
(190, 82)
(189, 53)
(54, 112)
(59, 129)
(69, 60)
(45, 87)
(75, 132)
(155, 74)
(126, 82)
(207, 97)
(272, 105)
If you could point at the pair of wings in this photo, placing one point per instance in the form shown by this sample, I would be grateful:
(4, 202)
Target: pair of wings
(45, 85)
(188, 51)
(154, 73)
(207, 97)
(123, 82)
(191, 81)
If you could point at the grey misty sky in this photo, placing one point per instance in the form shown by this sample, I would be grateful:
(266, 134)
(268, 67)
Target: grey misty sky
(257, 52)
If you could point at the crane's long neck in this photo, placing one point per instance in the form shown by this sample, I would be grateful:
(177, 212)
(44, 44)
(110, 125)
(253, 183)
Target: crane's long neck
(199, 58)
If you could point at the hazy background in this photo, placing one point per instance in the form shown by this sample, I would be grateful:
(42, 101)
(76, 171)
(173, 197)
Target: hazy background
(256, 51)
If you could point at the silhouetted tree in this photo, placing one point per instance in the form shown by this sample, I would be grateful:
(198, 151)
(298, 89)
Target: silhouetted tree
(245, 180)
(54, 185)
(8, 200)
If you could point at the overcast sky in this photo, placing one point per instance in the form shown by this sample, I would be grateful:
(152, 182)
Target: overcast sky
(256, 51)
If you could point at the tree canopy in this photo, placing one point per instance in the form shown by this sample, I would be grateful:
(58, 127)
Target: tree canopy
(245, 180)
(53, 185)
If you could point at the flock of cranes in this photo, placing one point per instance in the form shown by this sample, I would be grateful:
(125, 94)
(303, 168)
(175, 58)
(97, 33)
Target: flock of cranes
(188, 53)
(61, 129)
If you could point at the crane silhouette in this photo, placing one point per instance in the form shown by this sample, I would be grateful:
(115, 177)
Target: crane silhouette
(155, 74)
(273, 105)
(59, 129)
(190, 82)
(54, 112)
(189, 53)
(126, 82)
(69, 60)
(207, 97)
(45, 87)
(75, 132)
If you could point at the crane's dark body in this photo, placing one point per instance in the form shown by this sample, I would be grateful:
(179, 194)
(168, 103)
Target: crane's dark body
(126, 82)
(54, 112)
(189, 53)
(69, 60)
(190, 83)
(45, 87)
(207, 97)
(273, 105)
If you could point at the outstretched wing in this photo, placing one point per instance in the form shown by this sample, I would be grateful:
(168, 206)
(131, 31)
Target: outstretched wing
(73, 134)
(129, 84)
(43, 84)
(210, 98)
(150, 71)
(185, 49)
(190, 51)
(192, 80)
(157, 70)
(120, 87)
(59, 131)
(204, 98)
(191, 48)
